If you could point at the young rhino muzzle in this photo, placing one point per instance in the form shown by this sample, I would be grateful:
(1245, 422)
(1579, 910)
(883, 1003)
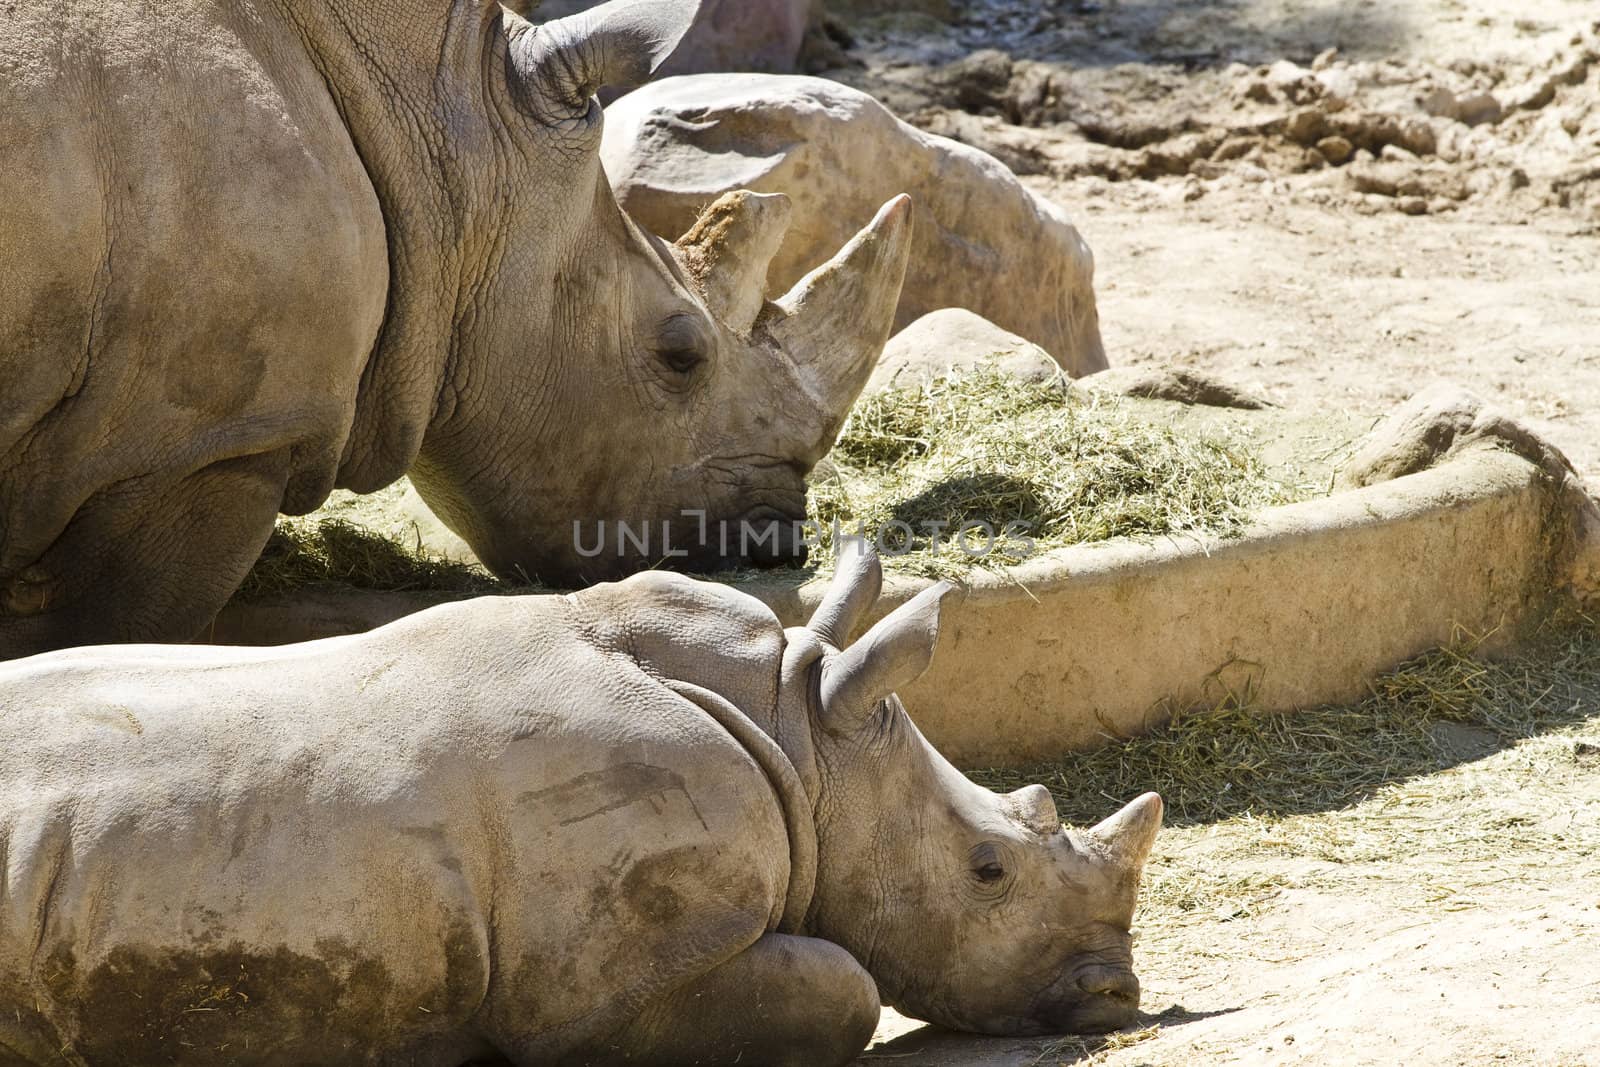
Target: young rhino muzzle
(973, 910)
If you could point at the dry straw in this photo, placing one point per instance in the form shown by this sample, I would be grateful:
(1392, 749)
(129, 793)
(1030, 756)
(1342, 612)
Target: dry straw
(1070, 465)
(1233, 760)
(308, 552)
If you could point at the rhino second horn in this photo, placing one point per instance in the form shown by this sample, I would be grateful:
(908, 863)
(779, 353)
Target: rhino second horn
(730, 249)
(1035, 808)
(1130, 834)
(837, 319)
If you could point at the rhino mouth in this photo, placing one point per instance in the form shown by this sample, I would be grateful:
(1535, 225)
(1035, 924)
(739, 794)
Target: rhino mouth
(695, 541)
(765, 537)
(1076, 1013)
(1093, 1000)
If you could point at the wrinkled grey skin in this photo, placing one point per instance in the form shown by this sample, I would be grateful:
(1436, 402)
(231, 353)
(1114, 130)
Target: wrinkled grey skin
(258, 249)
(642, 823)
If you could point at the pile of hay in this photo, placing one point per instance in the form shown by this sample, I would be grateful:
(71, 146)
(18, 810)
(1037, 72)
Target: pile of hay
(1057, 464)
(1235, 761)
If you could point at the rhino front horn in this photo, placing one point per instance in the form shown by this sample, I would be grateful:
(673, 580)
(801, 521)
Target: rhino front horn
(1128, 836)
(730, 249)
(837, 319)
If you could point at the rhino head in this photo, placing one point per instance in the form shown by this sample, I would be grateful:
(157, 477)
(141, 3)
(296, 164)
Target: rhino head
(971, 909)
(618, 401)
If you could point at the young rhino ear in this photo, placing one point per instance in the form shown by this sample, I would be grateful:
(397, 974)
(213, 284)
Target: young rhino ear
(562, 64)
(857, 581)
(891, 655)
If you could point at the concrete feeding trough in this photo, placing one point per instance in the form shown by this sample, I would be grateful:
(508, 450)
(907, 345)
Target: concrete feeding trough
(1448, 520)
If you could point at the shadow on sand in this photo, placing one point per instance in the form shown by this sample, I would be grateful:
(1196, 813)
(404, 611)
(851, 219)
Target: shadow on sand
(928, 1046)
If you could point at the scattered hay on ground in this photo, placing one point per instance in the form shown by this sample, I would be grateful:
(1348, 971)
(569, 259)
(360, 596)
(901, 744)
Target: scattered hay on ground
(1234, 761)
(331, 551)
(1088, 1049)
(1065, 466)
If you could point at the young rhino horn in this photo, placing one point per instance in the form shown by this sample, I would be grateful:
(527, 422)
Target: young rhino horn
(730, 249)
(1129, 835)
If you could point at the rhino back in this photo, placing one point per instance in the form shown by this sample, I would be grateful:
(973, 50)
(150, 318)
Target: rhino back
(380, 842)
(197, 264)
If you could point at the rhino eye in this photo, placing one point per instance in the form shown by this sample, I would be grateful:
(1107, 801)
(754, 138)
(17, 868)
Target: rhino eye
(681, 346)
(986, 862)
(681, 360)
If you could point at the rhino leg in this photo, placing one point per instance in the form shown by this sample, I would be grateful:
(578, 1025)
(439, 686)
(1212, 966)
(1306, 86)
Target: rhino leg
(783, 1001)
(144, 561)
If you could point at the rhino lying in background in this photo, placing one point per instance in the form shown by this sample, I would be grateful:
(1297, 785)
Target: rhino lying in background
(255, 251)
(639, 823)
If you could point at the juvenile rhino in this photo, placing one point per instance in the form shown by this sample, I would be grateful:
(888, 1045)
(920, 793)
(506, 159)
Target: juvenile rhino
(641, 823)
(257, 249)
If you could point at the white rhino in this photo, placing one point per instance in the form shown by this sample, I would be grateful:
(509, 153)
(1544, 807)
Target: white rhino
(258, 249)
(642, 823)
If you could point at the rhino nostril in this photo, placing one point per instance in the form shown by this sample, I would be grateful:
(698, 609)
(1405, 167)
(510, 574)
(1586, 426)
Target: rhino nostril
(1119, 985)
(28, 593)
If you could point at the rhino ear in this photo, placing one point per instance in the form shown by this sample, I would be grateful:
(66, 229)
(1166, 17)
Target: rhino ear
(562, 64)
(730, 249)
(857, 581)
(892, 654)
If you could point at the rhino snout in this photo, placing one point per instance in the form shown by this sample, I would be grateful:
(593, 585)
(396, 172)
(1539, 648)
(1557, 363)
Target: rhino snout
(777, 539)
(1113, 982)
(1092, 999)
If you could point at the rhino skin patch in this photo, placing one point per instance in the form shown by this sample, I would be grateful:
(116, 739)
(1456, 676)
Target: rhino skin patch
(648, 887)
(145, 1007)
(601, 792)
(219, 388)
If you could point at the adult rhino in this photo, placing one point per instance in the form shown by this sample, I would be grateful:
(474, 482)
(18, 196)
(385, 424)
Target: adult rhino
(258, 249)
(642, 823)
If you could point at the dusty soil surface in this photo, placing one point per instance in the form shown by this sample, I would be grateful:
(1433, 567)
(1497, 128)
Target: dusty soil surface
(1333, 204)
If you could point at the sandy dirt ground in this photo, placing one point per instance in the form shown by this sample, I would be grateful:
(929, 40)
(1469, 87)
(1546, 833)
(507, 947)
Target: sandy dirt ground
(1333, 203)
(1192, 142)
